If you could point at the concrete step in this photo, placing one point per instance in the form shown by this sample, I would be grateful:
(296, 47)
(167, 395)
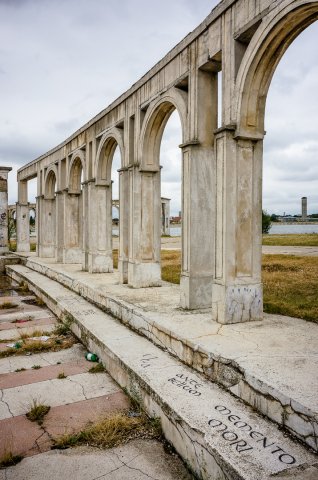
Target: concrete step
(271, 365)
(215, 433)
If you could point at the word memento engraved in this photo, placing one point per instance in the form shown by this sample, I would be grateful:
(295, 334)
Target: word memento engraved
(146, 360)
(186, 383)
(237, 428)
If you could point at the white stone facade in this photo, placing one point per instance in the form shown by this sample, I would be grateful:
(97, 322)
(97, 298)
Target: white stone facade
(221, 164)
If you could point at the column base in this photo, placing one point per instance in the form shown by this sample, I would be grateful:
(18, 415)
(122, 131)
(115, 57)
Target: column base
(47, 251)
(237, 303)
(72, 255)
(195, 292)
(23, 247)
(4, 249)
(99, 263)
(144, 275)
(123, 271)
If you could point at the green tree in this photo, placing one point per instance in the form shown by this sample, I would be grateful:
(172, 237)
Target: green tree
(266, 222)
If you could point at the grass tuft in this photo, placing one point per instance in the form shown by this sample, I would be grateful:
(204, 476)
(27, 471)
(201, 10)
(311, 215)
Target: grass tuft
(20, 370)
(7, 305)
(37, 412)
(36, 367)
(112, 431)
(61, 375)
(37, 346)
(98, 368)
(8, 460)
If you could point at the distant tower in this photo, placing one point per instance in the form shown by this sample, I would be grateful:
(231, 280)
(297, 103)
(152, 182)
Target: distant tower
(304, 208)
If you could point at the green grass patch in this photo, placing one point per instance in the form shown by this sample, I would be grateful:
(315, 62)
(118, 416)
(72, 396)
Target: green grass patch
(292, 240)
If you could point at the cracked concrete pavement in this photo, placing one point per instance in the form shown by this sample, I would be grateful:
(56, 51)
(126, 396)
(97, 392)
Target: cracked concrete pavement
(75, 401)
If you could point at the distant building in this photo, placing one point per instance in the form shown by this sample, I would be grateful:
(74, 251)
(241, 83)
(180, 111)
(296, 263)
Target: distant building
(304, 208)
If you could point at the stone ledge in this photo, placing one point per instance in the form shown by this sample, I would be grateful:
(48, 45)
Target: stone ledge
(238, 374)
(216, 434)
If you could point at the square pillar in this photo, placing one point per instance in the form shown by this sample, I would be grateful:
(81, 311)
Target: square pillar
(99, 255)
(60, 224)
(123, 254)
(72, 249)
(22, 218)
(4, 171)
(144, 229)
(237, 294)
(197, 226)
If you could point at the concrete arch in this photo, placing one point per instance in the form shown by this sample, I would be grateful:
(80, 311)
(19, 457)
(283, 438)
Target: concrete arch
(268, 45)
(154, 123)
(105, 153)
(50, 183)
(77, 166)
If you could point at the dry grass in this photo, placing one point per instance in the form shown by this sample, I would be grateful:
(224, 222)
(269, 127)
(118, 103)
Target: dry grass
(171, 265)
(37, 412)
(37, 346)
(8, 460)
(61, 376)
(112, 431)
(294, 240)
(8, 305)
(290, 283)
(98, 368)
(115, 258)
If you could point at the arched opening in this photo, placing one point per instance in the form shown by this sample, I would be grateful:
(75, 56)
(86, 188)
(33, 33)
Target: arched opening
(107, 246)
(48, 216)
(73, 230)
(242, 243)
(289, 174)
(171, 199)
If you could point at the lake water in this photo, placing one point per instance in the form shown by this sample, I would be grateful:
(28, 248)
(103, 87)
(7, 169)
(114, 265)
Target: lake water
(275, 228)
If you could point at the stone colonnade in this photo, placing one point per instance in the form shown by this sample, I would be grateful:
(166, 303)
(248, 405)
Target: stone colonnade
(4, 171)
(231, 56)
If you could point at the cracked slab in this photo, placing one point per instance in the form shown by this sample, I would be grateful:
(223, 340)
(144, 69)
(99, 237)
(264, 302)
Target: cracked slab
(17, 400)
(138, 460)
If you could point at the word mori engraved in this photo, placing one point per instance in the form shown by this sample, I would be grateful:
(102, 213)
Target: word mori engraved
(146, 360)
(188, 384)
(240, 445)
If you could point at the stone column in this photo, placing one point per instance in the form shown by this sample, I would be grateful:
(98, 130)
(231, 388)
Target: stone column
(60, 212)
(4, 171)
(165, 216)
(145, 228)
(99, 222)
(72, 250)
(123, 253)
(197, 226)
(237, 289)
(22, 218)
(48, 228)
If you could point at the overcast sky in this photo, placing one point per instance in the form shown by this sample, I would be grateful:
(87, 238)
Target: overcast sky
(63, 61)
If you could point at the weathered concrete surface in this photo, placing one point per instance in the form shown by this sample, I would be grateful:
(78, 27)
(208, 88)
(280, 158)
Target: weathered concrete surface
(19, 436)
(271, 365)
(215, 433)
(139, 460)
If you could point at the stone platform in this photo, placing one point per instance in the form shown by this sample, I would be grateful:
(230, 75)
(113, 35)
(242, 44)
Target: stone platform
(208, 426)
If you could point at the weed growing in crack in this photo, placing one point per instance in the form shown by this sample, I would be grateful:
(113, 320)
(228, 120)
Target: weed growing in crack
(20, 370)
(36, 367)
(61, 375)
(8, 460)
(112, 431)
(98, 368)
(8, 305)
(37, 412)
